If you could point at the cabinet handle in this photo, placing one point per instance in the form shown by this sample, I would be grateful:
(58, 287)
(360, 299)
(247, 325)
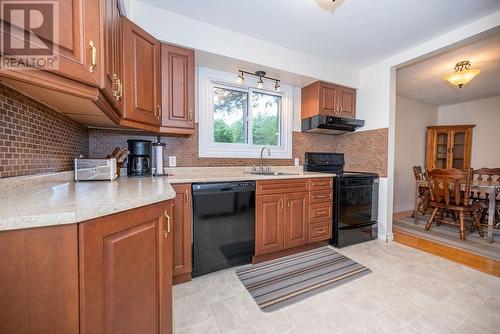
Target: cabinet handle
(322, 212)
(320, 196)
(336, 108)
(159, 111)
(187, 197)
(288, 203)
(119, 87)
(169, 223)
(94, 56)
(319, 184)
(341, 108)
(190, 116)
(281, 203)
(321, 231)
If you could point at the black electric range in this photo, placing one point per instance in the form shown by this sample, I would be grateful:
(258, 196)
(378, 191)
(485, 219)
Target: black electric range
(355, 199)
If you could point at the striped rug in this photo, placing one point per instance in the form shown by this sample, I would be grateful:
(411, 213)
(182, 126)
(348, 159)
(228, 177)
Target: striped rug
(277, 283)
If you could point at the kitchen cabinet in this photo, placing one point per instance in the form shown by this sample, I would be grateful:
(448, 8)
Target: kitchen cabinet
(39, 280)
(177, 89)
(141, 78)
(112, 49)
(321, 98)
(78, 44)
(449, 146)
(269, 224)
(126, 271)
(296, 219)
(183, 208)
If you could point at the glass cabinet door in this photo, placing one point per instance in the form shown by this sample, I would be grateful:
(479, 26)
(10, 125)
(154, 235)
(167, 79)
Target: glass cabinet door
(441, 153)
(458, 149)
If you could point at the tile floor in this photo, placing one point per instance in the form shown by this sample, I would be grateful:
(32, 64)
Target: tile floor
(409, 291)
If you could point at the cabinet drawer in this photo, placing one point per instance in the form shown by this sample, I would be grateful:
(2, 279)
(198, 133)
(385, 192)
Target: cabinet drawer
(320, 231)
(282, 186)
(321, 196)
(321, 183)
(320, 212)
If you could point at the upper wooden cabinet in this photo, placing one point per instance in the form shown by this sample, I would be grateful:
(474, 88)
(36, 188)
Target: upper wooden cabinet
(183, 207)
(321, 98)
(177, 89)
(112, 48)
(79, 47)
(126, 271)
(141, 77)
(449, 147)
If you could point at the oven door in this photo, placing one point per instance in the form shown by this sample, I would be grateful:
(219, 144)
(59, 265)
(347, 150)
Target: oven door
(357, 201)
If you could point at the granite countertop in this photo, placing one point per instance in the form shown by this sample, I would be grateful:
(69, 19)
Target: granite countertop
(45, 200)
(227, 174)
(55, 199)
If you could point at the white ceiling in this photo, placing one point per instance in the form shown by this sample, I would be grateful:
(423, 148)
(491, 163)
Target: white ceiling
(352, 32)
(423, 81)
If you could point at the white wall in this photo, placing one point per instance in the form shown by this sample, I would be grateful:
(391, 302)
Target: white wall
(412, 118)
(485, 114)
(178, 29)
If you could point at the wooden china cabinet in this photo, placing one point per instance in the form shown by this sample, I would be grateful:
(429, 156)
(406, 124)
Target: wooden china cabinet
(449, 146)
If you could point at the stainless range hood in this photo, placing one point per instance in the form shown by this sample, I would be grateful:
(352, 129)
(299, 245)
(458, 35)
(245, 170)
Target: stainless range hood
(330, 125)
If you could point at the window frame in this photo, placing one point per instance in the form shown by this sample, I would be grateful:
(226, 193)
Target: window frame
(208, 148)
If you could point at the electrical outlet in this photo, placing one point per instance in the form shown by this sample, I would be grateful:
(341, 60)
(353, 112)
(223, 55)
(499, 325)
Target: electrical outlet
(297, 161)
(172, 161)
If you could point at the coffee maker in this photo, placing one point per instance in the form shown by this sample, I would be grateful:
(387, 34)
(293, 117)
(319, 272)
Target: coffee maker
(139, 160)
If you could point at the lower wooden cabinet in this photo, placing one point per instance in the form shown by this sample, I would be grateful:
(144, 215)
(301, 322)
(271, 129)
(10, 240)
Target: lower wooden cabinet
(126, 271)
(296, 219)
(183, 207)
(39, 280)
(292, 213)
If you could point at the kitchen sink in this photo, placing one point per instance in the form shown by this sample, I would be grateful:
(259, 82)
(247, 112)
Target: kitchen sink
(271, 173)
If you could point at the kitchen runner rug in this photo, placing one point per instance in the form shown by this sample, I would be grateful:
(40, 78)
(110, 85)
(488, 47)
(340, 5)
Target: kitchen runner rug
(287, 280)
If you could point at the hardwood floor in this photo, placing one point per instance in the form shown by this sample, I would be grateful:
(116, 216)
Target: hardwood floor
(472, 260)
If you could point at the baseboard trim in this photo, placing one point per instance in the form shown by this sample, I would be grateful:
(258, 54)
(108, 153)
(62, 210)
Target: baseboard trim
(386, 237)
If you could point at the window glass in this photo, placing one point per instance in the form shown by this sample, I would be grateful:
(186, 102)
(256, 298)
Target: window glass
(266, 119)
(230, 113)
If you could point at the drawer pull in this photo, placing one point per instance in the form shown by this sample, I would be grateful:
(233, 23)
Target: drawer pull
(322, 212)
(322, 231)
(319, 184)
(321, 196)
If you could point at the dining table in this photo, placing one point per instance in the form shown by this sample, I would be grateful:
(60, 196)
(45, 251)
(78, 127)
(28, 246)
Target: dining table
(491, 188)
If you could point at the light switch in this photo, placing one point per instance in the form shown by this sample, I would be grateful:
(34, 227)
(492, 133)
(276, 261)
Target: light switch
(297, 161)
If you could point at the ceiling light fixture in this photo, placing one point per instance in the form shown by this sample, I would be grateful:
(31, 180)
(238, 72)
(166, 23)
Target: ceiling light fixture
(462, 75)
(240, 79)
(261, 75)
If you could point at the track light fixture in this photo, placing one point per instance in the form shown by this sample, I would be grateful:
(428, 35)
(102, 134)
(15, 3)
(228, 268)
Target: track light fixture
(241, 78)
(261, 75)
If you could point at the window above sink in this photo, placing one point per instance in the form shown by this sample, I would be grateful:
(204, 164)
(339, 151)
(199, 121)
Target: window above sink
(236, 121)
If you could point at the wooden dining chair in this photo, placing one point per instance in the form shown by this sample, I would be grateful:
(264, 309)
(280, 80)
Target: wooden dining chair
(423, 192)
(450, 191)
(486, 175)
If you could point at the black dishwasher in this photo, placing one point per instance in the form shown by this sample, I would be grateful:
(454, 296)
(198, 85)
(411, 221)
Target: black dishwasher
(223, 225)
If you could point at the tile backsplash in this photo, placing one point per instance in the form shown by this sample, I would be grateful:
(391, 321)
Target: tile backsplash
(35, 138)
(364, 150)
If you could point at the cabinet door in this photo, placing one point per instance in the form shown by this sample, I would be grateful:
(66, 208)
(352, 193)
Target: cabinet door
(141, 75)
(269, 224)
(79, 25)
(182, 229)
(112, 66)
(460, 148)
(39, 280)
(177, 86)
(125, 272)
(441, 149)
(328, 104)
(347, 102)
(296, 219)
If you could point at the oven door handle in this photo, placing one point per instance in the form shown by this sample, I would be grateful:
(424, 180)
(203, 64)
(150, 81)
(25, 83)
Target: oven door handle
(351, 227)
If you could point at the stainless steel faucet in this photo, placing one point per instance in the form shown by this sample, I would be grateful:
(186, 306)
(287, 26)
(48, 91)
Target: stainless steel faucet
(262, 160)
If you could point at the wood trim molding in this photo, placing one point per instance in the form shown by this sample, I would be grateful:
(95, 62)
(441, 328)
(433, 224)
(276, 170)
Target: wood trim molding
(481, 263)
